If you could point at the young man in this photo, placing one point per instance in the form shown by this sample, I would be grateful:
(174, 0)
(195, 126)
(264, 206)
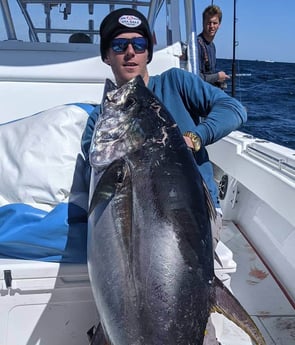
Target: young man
(127, 47)
(212, 17)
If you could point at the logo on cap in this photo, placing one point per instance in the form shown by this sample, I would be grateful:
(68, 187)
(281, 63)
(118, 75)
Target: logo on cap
(129, 21)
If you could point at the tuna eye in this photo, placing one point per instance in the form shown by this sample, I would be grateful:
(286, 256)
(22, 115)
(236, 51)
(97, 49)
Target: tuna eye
(130, 101)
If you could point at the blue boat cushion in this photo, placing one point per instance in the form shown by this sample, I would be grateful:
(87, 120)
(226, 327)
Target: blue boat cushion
(43, 197)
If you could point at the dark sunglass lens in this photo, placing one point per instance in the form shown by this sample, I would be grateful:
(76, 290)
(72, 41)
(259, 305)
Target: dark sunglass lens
(139, 44)
(119, 44)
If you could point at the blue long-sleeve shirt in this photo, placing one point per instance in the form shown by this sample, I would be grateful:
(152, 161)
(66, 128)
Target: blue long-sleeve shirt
(188, 98)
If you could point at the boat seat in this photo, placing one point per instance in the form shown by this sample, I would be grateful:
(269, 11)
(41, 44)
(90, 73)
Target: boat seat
(43, 195)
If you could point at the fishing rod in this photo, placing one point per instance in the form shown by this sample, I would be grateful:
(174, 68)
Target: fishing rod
(233, 85)
(235, 43)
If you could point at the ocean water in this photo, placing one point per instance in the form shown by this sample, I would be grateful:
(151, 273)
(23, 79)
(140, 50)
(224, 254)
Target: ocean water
(267, 90)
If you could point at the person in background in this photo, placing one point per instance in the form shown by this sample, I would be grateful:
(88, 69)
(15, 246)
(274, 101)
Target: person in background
(212, 17)
(126, 45)
(79, 37)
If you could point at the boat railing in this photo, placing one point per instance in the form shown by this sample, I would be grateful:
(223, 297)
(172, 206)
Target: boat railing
(48, 21)
(283, 164)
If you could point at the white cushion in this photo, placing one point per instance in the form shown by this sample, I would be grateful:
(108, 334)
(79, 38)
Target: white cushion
(39, 156)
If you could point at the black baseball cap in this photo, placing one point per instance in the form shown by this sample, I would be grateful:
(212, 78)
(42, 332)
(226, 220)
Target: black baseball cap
(121, 21)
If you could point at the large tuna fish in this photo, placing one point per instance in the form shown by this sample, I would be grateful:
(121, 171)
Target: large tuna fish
(150, 246)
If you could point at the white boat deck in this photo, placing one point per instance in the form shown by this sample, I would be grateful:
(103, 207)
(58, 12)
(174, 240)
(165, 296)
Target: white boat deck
(254, 286)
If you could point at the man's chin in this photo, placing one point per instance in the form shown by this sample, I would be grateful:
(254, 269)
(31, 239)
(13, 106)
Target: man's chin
(131, 70)
(131, 74)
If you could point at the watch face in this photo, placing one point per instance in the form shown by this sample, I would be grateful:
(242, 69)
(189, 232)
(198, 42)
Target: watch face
(197, 143)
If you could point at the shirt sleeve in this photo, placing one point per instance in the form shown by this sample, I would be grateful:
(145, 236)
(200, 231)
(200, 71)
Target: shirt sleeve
(209, 78)
(221, 113)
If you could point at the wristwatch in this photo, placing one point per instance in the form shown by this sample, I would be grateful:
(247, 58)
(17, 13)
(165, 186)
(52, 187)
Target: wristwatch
(196, 141)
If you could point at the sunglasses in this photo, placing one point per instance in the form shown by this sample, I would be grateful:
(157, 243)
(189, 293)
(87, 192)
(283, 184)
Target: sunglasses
(139, 44)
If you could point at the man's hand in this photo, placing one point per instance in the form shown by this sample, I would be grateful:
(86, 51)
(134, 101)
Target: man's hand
(188, 142)
(192, 141)
(222, 76)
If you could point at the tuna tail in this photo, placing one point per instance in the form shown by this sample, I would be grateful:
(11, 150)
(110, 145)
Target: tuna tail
(226, 303)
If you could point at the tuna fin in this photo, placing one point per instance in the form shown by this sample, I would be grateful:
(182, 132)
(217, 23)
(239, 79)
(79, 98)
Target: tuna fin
(209, 202)
(212, 214)
(106, 187)
(226, 303)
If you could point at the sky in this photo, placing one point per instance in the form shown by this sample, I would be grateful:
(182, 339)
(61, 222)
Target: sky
(265, 29)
